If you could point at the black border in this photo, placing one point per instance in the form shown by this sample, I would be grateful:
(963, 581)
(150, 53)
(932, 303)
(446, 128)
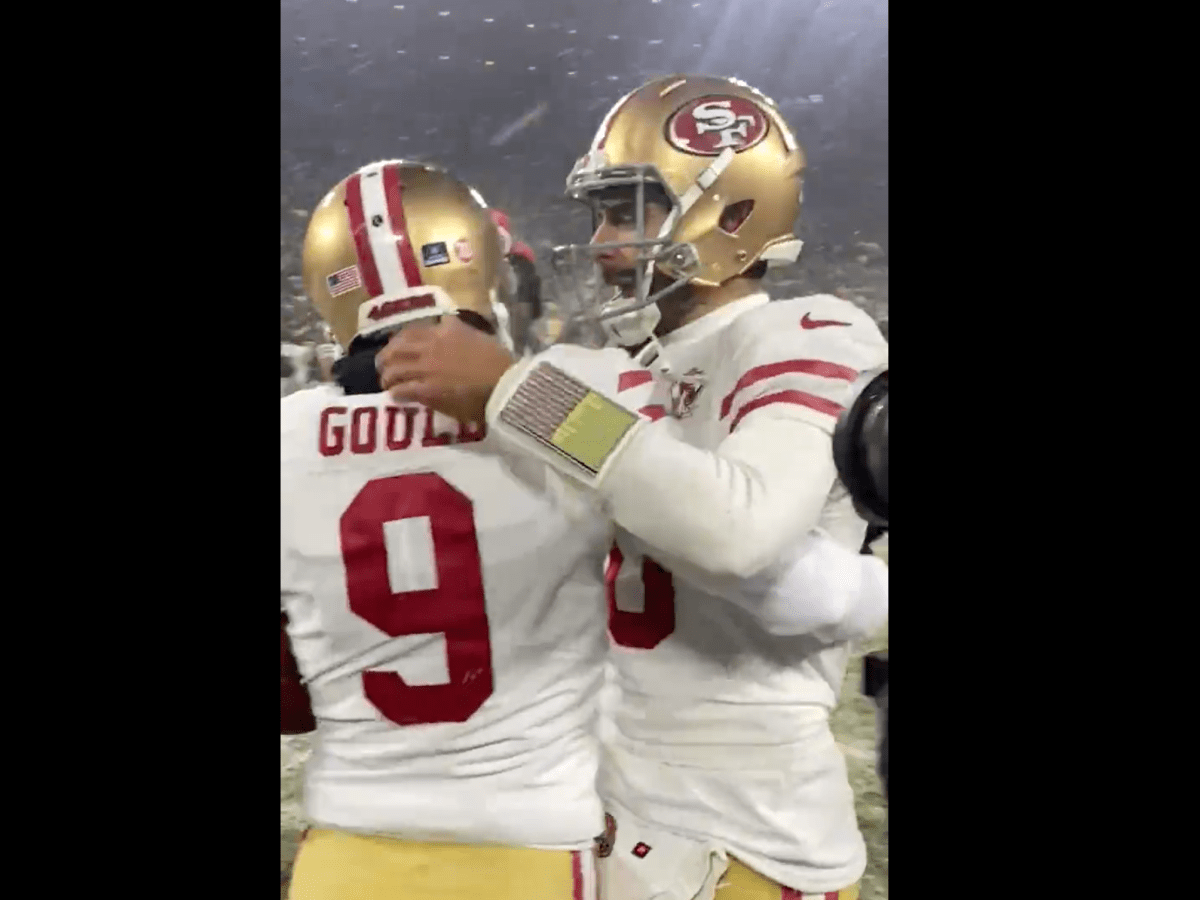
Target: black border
(159, 760)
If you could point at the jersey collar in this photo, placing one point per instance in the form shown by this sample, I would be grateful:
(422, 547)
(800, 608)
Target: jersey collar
(714, 321)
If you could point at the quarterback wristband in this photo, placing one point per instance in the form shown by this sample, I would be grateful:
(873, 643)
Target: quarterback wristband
(546, 412)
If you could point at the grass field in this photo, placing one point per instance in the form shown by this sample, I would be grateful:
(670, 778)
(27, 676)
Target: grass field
(293, 751)
(853, 725)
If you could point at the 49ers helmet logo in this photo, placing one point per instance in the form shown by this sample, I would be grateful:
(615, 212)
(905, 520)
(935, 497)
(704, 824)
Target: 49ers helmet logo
(707, 125)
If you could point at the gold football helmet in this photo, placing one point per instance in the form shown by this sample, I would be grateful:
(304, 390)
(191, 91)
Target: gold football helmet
(398, 241)
(709, 144)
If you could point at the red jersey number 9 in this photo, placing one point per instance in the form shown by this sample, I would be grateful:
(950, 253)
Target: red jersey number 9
(455, 608)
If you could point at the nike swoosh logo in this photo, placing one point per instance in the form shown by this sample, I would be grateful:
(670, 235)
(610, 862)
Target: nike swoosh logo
(807, 322)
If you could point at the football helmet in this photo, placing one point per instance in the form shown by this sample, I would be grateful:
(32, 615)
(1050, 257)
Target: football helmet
(860, 445)
(707, 144)
(511, 247)
(500, 220)
(397, 241)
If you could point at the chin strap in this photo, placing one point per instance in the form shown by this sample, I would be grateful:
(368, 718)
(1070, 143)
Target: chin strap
(356, 372)
(650, 355)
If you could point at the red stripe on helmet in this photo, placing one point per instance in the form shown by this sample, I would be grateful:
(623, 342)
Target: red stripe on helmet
(393, 195)
(362, 243)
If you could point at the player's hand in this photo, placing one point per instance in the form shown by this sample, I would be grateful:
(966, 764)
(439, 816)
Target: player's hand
(450, 367)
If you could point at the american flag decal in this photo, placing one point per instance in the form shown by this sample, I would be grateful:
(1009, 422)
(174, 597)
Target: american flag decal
(343, 281)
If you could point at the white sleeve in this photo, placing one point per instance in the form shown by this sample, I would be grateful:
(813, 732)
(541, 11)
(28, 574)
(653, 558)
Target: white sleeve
(732, 511)
(824, 590)
(737, 509)
(820, 589)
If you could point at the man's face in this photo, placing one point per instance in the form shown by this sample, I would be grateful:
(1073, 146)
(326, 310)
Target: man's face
(618, 224)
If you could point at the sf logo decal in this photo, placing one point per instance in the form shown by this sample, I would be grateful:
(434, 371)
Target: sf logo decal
(707, 125)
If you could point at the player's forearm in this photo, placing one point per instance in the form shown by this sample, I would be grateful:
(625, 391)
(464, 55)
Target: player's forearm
(732, 512)
(729, 511)
(821, 589)
(830, 602)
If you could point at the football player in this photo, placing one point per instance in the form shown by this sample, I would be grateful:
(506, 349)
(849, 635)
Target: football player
(446, 617)
(712, 451)
(327, 354)
(525, 286)
(294, 361)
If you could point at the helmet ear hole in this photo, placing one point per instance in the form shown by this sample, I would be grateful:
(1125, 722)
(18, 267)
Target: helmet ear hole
(734, 216)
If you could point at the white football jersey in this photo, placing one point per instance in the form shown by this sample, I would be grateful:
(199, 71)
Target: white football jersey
(720, 730)
(448, 619)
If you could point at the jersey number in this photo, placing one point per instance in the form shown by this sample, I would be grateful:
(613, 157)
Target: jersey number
(455, 608)
(647, 629)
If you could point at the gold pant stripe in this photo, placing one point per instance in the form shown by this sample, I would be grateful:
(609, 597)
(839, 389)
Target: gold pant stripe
(740, 882)
(336, 865)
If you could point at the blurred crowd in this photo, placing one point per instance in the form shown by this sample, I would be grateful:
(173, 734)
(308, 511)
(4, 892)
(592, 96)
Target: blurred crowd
(304, 364)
